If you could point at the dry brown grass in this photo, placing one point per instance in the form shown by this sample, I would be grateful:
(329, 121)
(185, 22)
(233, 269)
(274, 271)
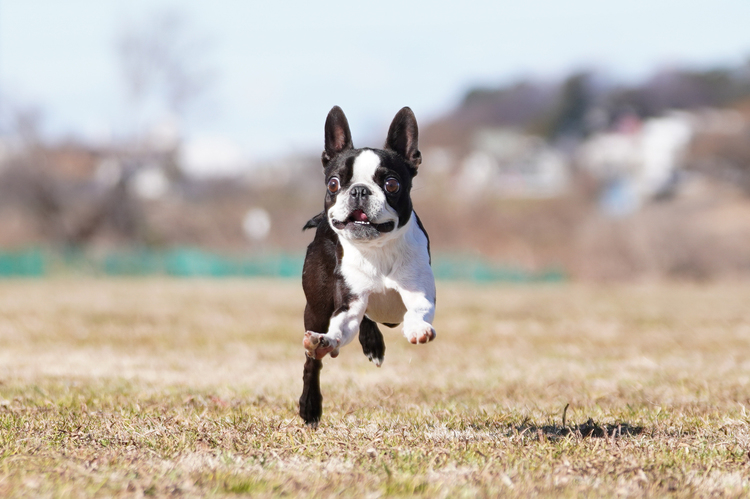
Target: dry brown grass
(189, 388)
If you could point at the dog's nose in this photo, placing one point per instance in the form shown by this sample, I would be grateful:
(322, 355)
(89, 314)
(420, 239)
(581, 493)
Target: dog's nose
(359, 192)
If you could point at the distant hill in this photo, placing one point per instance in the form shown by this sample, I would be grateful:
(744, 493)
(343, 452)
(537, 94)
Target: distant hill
(584, 102)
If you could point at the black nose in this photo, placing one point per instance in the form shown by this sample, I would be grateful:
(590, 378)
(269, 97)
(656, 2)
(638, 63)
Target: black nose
(359, 192)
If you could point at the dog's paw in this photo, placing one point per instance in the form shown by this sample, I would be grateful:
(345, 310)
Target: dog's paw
(319, 345)
(378, 361)
(420, 332)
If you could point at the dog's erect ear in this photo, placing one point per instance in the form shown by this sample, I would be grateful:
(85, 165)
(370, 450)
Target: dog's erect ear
(403, 137)
(338, 136)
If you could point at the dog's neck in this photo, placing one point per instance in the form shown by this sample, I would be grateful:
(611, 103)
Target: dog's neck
(384, 252)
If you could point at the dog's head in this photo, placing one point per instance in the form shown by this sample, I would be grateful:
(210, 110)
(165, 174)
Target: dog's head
(368, 190)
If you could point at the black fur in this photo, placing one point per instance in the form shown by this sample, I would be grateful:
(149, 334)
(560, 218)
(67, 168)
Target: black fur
(371, 339)
(326, 296)
(337, 135)
(315, 221)
(419, 222)
(402, 138)
(311, 401)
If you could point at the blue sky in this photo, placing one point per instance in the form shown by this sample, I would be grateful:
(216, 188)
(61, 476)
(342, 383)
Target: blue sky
(280, 66)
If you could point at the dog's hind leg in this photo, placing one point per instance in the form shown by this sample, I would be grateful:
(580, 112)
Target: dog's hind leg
(373, 345)
(311, 401)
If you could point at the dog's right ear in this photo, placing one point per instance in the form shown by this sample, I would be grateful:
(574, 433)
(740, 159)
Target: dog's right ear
(338, 136)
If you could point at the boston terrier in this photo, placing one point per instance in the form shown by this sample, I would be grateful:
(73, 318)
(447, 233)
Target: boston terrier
(370, 260)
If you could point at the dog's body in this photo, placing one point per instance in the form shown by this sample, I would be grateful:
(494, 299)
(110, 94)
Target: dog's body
(370, 260)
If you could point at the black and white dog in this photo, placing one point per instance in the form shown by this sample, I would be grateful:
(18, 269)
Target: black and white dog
(370, 260)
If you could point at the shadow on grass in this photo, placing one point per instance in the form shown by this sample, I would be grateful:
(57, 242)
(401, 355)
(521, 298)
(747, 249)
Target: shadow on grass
(589, 429)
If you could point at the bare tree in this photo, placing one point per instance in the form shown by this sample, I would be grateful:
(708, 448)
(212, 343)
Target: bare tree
(163, 60)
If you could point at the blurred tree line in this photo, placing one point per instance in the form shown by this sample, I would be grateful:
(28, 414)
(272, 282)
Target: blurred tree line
(587, 101)
(86, 196)
(568, 111)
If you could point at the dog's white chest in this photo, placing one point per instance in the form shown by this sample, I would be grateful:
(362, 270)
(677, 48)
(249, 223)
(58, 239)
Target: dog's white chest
(382, 271)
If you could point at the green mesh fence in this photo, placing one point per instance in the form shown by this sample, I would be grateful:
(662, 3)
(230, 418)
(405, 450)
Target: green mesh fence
(192, 262)
(188, 262)
(457, 268)
(28, 263)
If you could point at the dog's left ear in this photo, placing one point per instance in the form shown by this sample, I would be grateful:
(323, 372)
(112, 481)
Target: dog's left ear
(403, 137)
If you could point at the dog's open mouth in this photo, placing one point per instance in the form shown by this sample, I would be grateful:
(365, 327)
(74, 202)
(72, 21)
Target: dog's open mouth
(358, 220)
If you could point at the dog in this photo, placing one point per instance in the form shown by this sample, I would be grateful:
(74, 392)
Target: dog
(369, 262)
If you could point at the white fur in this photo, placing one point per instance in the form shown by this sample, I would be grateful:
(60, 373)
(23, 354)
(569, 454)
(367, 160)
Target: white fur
(397, 261)
(363, 170)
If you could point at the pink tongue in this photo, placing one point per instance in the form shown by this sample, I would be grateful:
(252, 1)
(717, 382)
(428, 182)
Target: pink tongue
(359, 216)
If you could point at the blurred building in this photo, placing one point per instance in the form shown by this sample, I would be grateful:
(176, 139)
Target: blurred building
(506, 163)
(637, 161)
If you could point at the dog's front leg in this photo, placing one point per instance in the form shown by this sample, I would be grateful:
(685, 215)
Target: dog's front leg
(342, 329)
(420, 311)
(311, 400)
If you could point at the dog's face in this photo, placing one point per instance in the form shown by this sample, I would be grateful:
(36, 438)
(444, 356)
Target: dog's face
(368, 190)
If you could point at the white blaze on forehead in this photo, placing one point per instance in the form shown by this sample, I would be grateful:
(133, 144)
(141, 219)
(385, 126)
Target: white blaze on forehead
(364, 168)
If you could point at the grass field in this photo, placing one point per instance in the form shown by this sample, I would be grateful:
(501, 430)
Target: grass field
(189, 388)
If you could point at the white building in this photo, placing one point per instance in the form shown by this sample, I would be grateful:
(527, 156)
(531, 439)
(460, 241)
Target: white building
(640, 162)
(507, 163)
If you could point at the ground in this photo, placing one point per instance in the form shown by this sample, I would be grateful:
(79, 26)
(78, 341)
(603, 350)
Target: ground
(163, 387)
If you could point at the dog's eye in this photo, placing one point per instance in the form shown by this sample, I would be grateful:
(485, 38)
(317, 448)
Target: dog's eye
(392, 185)
(333, 185)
